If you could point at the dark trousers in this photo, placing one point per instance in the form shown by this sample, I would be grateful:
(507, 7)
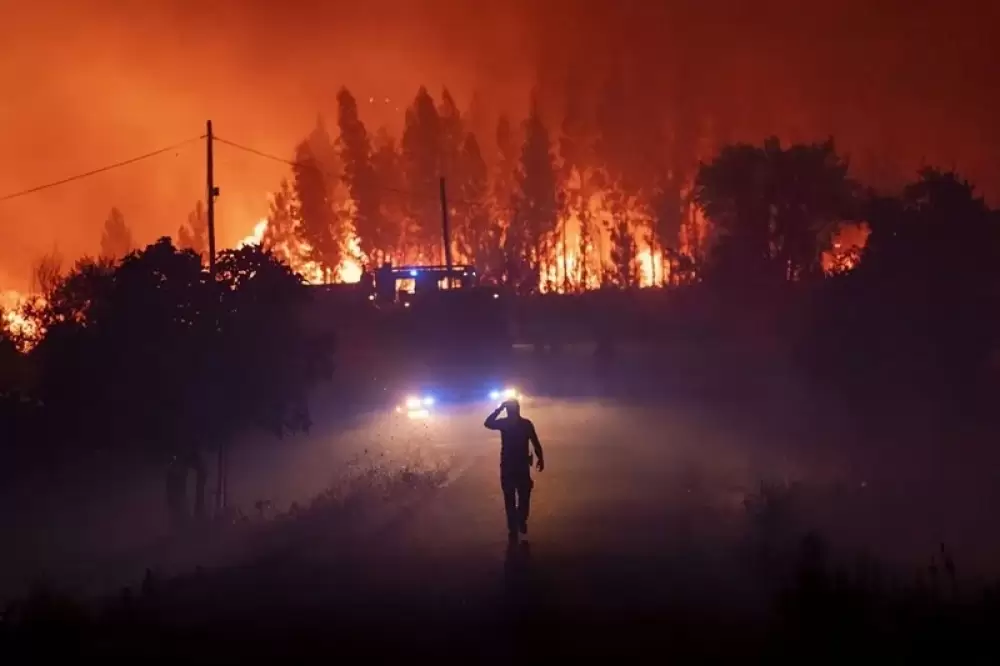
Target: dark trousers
(516, 486)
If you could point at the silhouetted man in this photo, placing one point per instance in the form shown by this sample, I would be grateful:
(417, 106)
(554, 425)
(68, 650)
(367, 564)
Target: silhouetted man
(515, 463)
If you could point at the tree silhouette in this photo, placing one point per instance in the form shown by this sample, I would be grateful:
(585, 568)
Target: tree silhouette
(917, 316)
(576, 151)
(46, 272)
(194, 235)
(422, 165)
(536, 202)
(387, 165)
(78, 297)
(318, 225)
(503, 188)
(354, 148)
(478, 235)
(268, 357)
(323, 150)
(280, 235)
(624, 270)
(452, 137)
(774, 209)
(152, 353)
(116, 238)
(667, 219)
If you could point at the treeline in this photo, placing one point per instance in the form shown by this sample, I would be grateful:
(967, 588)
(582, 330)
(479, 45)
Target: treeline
(523, 195)
(150, 351)
(911, 313)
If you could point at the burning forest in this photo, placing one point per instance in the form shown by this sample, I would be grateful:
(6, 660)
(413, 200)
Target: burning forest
(599, 199)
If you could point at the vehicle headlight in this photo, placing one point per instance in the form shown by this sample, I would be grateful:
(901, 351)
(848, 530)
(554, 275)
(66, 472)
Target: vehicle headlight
(413, 402)
(505, 394)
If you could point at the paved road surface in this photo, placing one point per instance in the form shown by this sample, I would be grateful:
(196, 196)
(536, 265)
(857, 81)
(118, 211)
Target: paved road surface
(636, 506)
(639, 510)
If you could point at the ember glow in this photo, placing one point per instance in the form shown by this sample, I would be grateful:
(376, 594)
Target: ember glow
(18, 322)
(846, 247)
(349, 270)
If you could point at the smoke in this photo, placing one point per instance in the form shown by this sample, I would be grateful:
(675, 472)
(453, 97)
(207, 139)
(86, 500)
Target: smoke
(92, 83)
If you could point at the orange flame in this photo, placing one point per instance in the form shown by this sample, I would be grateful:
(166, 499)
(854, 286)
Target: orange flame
(17, 321)
(349, 269)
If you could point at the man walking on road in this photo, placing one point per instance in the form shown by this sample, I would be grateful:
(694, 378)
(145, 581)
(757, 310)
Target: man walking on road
(515, 463)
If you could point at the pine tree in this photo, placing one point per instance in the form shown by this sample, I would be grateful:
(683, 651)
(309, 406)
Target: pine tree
(506, 167)
(324, 152)
(503, 186)
(194, 235)
(279, 236)
(537, 201)
(387, 165)
(576, 153)
(667, 219)
(422, 165)
(611, 145)
(585, 250)
(116, 239)
(452, 136)
(478, 121)
(479, 237)
(354, 148)
(624, 255)
(318, 228)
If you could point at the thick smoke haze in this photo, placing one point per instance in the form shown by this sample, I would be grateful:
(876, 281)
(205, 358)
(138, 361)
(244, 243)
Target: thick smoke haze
(898, 84)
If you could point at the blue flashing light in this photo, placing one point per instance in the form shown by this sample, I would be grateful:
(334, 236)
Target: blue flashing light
(494, 395)
(428, 400)
(413, 274)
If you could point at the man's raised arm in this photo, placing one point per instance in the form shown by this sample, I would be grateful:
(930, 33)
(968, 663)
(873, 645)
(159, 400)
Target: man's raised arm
(492, 422)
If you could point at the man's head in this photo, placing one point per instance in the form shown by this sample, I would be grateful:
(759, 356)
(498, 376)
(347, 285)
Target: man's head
(513, 408)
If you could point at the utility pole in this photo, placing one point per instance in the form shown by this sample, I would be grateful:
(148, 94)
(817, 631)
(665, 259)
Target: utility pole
(445, 230)
(212, 191)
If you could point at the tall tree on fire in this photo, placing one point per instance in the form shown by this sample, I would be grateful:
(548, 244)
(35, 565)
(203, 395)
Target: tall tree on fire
(194, 235)
(452, 137)
(478, 235)
(422, 165)
(529, 237)
(504, 171)
(116, 239)
(320, 228)
(774, 208)
(575, 173)
(279, 235)
(354, 148)
(611, 152)
(387, 165)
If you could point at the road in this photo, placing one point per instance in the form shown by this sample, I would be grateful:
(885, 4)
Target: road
(640, 511)
(637, 508)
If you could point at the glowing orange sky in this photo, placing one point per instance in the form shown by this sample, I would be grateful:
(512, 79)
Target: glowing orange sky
(86, 84)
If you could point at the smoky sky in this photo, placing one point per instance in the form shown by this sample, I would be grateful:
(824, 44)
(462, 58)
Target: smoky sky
(899, 84)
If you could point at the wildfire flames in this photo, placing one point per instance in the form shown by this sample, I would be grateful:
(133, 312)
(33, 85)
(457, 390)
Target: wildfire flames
(16, 320)
(349, 270)
(568, 265)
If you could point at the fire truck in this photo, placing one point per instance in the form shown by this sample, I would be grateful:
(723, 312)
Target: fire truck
(441, 319)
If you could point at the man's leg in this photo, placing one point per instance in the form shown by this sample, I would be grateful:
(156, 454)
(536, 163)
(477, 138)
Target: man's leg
(509, 488)
(524, 502)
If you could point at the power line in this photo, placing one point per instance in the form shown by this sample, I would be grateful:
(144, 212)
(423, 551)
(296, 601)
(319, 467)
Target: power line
(293, 163)
(109, 167)
(259, 153)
